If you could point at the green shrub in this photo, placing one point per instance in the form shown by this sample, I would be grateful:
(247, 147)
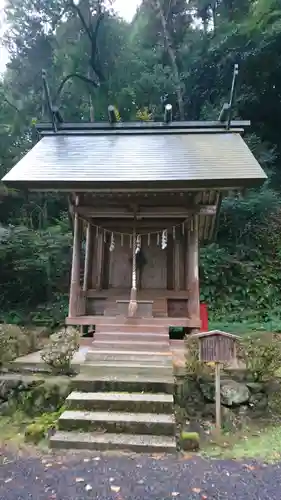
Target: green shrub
(14, 342)
(262, 357)
(59, 352)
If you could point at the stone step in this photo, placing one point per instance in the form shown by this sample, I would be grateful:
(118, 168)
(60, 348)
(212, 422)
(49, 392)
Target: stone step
(131, 346)
(115, 422)
(131, 328)
(113, 356)
(105, 441)
(120, 401)
(123, 383)
(131, 336)
(127, 368)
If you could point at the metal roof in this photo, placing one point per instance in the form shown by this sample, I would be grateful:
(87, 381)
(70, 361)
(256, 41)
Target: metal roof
(182, 159)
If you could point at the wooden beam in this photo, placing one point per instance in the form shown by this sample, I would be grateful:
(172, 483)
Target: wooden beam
(146, 212)
(193, 270)
(75, 270)
(138, 126)
(177, 269)
(126, 225)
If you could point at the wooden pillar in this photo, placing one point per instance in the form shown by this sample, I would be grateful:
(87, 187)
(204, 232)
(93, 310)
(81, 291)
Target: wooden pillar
(100, 251)
(88, 258)
(75, 270)
(193, 270)
(177, 269)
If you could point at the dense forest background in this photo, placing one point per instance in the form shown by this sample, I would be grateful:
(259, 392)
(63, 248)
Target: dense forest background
(176, 51)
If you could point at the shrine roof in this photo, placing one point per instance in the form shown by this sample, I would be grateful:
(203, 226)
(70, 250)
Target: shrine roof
(96, 156)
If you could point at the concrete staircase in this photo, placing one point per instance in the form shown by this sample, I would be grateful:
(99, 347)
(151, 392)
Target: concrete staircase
(123, 396)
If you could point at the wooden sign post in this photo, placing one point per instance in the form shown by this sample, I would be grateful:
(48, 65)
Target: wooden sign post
(218, 348)
(218, 396)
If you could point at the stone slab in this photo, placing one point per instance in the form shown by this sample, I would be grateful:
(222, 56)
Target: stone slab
(113, 356)
(118, 422)
(106, 441)
(122, 382)
(121, 401)
(126, 368)
(132, 345)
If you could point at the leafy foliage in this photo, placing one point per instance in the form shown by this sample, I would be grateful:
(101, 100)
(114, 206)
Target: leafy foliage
(262, 357)
(59, 352)
(15, 342)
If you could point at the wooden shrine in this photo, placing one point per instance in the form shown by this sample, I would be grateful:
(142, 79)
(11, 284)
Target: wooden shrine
(143, 197)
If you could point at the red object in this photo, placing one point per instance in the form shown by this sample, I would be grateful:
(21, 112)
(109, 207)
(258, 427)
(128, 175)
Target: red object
(204, 317)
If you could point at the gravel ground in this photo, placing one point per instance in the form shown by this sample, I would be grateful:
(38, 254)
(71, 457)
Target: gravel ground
(126, 477)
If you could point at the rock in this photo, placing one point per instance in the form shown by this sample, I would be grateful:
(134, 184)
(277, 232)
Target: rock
(192, 398)
(234, 393)
(207, 389)
(258, 401)
(5, 408)
(255, 387)
(29, 385)
(7, 387)
(229, 418)
(209, 411)
(272, 387)
(189, 441)
(243, 412)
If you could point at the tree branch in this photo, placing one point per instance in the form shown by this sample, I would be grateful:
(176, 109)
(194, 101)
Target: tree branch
(68, 77)
(93, 36)
(172, 55)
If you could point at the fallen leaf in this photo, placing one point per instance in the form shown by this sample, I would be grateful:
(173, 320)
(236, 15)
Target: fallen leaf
(88, 487)
(196, 490)
(79, 480)
(186, 457)
(116, 489)
(250, 467)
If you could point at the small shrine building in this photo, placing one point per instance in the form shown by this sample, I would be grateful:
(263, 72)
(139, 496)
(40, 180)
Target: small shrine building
(143, 197)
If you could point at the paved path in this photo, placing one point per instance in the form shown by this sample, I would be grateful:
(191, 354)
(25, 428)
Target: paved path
(112, 477)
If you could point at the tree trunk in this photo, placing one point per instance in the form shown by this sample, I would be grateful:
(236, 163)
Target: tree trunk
(90, 72)
(172, 55)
